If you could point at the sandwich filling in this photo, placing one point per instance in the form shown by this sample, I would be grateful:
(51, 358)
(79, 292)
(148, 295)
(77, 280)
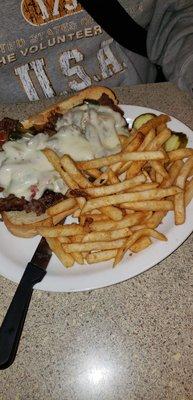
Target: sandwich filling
(85, 132)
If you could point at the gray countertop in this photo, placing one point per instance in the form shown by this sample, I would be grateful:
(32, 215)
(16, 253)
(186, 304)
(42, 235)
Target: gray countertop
(133, 340)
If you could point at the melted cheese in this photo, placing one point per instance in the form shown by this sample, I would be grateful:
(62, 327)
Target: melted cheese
(85, 132)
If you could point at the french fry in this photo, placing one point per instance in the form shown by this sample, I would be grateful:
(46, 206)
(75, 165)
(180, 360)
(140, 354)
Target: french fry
(86, 223)
(83, 218)
(152, 174)
(143, 146)
(85, 254)
(147, 140)
(184, 173)
(190, 173)
(94, 217)
(148, 215)
(144, 186)
(115, 167)
(174, 170)
(123, 167)
(132, 134)
(158, 167)
(149, 137)
(61, 230)
(145, 172)
(70, 167)
(99, 217)
(64, 205)
(127, 245)
(64, 239)
(179, 208)
(78, 257)
(106, 161)
(156, 219)
(158, 177)
(189, 192)
(134, 169)
(161, 127)
(93, 246)
(112, 178)
(135, 143)
(102, 179)
(141, 244)
(119, 255)
(105, 236)
(179, 199)
(81, 202)
(123, 139)
(129, 212)
(154, 123)
(152, 145)
(125, 197)
(78, 194)
(93, 173)
(111, 212)
(160, 139)
(138, 227)
(96, 212)
(100, 256)
(59, 217)
(117, 187)
(76, 239)
(179, 154)
(66, 259)
(152, 205)
(55, 161)
(76, 213)
(147, 232)
(126, 222)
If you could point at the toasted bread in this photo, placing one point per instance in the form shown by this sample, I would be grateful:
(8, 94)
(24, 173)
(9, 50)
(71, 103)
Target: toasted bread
(92, 93)
(23, 224)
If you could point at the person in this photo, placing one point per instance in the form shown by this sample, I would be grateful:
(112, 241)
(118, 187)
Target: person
(54, 47)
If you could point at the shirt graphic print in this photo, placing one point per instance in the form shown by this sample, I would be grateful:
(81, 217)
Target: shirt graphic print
(53, 47)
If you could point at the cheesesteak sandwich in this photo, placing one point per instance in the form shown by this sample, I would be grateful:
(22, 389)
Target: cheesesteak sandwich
(84, 126)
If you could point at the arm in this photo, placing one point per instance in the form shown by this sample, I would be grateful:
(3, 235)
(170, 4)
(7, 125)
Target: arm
(170, 41)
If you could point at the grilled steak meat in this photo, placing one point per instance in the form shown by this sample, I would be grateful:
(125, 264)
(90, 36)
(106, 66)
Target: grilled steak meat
(8, 125)
(49, 127)
(106, 101)
(13, 203)
(11, 129)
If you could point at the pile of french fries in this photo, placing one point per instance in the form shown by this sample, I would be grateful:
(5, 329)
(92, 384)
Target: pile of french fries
(119, 200)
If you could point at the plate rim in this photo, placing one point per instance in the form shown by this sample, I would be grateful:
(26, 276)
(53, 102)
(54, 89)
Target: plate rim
(45, 284)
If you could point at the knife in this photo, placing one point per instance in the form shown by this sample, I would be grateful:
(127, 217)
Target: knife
(12, 326)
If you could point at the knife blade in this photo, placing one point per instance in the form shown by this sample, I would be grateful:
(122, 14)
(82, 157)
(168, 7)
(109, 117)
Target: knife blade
(12, 326)
(42, 255)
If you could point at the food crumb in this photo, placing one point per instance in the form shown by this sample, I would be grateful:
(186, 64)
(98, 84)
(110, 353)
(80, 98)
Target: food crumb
(177, 356)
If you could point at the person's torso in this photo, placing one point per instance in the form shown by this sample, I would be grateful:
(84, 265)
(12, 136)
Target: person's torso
(53, 47)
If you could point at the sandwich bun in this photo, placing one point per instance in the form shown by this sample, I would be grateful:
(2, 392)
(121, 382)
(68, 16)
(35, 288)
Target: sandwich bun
(23, 224)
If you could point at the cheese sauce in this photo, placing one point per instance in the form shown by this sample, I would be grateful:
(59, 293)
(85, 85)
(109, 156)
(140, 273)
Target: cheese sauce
(85, 132)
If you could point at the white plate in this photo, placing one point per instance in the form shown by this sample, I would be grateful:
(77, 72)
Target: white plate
(16, 252)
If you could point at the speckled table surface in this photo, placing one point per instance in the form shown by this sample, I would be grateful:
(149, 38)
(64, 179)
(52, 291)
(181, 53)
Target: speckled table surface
(133, 340)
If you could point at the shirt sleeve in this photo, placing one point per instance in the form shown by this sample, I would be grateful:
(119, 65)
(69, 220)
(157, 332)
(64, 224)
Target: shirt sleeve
(170, 41)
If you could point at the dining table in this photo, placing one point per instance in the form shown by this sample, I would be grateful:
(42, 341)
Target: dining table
(128, 341)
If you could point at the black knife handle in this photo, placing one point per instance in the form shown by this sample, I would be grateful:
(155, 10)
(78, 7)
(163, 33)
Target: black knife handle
(12, 326)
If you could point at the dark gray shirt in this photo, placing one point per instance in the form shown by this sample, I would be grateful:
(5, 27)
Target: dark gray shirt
(53, 47)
